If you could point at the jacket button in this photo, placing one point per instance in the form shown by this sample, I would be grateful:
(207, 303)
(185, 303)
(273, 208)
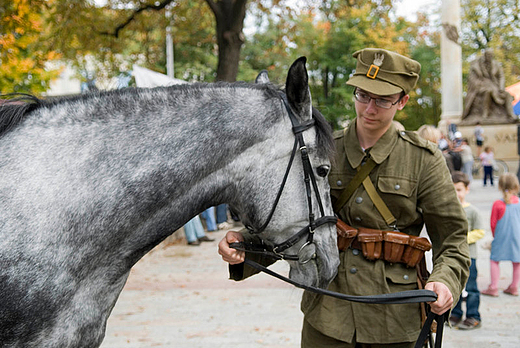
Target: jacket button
(353, 270)
(397, 187)
(357, 219)
(339, 183)
(406, 277)
(359, 200)
(355, 252)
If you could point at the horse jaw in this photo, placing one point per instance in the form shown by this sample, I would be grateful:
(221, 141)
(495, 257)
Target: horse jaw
(305, 273)
(321, 269)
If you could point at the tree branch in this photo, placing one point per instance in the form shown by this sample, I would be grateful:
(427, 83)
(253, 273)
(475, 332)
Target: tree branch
(121, 26)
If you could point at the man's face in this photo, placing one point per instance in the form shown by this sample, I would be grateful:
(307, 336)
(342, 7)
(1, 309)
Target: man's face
(371, 117)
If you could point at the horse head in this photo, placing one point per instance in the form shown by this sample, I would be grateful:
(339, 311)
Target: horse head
(300, 226)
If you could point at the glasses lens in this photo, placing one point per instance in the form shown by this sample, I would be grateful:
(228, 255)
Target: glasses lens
(362, 97)
(383, 103)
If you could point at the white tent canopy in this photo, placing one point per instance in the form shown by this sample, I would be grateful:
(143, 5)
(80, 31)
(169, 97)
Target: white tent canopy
(149, 78)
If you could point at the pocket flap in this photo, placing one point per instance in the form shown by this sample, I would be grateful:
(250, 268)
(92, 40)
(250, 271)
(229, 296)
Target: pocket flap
(400, 275)
(396, 185)
(338, 181)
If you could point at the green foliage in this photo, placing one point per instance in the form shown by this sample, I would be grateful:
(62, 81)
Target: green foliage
(87, 37)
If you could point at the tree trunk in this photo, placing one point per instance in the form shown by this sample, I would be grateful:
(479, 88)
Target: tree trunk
(229, 16)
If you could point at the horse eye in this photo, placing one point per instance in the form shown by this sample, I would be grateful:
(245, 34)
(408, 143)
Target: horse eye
(323, 170)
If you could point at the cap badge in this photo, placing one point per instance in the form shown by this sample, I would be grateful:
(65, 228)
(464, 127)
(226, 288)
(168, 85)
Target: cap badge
(374, 68)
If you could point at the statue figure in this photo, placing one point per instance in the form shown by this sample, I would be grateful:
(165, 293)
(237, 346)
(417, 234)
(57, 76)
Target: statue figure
(487, 100)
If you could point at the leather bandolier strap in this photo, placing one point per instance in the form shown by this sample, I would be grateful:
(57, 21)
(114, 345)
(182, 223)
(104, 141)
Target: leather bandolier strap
(362, 177)
(391, 246)
(362, 173)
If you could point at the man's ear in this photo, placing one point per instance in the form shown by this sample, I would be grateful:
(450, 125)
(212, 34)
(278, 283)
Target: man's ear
(403, 102)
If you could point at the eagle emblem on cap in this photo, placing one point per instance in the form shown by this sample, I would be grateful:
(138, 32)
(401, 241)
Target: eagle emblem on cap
(378, 59)
(374, 67)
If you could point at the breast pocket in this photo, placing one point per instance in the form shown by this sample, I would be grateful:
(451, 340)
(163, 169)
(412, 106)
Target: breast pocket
(338, 182)
(400, 196)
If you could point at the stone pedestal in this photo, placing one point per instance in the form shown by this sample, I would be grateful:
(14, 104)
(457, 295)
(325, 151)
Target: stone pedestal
(501, 137)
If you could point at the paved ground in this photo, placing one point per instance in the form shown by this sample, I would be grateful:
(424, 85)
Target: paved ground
(179, 296)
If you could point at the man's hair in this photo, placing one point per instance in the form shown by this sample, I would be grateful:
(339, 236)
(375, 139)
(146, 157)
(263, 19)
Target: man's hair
(457, 177)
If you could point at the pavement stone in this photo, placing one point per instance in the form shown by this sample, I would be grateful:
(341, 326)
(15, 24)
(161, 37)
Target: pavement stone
(180, 296)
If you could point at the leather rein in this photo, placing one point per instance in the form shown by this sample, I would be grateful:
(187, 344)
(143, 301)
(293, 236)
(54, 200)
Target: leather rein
(276, 251)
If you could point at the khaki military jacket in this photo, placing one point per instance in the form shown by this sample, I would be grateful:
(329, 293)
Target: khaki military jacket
(414, 182)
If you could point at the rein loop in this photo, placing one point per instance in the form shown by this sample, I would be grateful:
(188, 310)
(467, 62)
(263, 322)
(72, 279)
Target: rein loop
(402, 297)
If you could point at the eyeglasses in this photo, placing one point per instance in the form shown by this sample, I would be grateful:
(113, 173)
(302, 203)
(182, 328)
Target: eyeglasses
(382, 103)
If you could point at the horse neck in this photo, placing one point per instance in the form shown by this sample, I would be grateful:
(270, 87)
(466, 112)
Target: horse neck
(139, 165)
(221, 153)
(197, 150)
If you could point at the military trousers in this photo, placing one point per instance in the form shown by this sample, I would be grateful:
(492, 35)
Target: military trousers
(312, 338)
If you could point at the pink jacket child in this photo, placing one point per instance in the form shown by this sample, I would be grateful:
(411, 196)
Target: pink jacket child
(505, 226)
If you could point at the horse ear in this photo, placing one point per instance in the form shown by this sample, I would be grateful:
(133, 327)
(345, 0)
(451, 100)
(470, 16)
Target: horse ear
(262, 77)
(297, 89)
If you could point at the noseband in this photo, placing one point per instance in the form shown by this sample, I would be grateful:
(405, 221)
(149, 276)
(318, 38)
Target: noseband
(276, 251)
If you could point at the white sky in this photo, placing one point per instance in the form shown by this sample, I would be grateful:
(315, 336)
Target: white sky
(409, 8)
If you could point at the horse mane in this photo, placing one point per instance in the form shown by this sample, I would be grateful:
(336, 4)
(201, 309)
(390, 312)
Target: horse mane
(15, 110)
(324, 138)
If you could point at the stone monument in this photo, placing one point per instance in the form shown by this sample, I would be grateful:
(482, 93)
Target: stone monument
(489, 104)
(487, 101)
(451, 64)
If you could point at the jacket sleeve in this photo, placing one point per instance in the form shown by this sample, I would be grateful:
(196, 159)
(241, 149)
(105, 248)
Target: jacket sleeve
(476, 226)
(242, 271)
(446, 224)
(498, 210)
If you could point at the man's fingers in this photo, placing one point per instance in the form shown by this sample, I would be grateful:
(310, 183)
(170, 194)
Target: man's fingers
(444, 299)
(228, 254)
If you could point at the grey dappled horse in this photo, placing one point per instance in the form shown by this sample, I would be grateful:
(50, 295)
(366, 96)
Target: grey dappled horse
(89, 184)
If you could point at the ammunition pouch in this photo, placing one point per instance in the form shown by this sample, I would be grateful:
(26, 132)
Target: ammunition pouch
(390, 246)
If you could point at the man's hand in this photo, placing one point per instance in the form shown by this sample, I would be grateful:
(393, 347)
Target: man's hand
(231, 255)
(444, 297)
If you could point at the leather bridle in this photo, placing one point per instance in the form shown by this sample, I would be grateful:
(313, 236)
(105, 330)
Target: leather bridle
(277, 251)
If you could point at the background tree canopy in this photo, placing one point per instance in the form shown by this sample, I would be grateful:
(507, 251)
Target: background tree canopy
(102, 39)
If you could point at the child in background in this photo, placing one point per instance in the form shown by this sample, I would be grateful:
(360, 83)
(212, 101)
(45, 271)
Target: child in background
(505, 226)
(475, 232)
(487, 158)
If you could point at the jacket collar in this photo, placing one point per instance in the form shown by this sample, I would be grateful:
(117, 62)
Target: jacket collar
(379, 152)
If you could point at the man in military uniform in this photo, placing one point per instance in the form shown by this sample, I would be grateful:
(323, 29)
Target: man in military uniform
(411, 179)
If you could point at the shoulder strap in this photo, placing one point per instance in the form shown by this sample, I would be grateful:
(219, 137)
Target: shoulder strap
(354, 183)
(378, 202)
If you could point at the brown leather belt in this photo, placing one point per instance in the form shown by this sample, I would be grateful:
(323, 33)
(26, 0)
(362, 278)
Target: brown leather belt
(390, 246)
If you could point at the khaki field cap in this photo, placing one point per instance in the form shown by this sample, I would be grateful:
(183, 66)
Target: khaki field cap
(383, 72)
